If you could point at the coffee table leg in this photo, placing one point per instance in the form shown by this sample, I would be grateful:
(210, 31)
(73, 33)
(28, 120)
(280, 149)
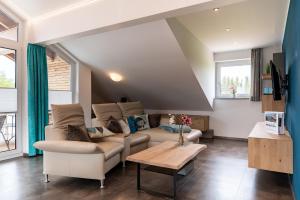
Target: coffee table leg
(174, 185)
(138, 177)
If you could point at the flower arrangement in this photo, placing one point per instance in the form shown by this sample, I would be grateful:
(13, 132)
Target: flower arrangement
(183, 120)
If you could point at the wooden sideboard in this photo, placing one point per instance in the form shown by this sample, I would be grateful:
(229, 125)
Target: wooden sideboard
(269, 151)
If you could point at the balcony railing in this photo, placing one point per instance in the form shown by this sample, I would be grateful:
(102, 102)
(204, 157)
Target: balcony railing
(7, 131)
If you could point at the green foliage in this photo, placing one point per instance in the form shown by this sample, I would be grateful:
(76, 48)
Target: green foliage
(268, 69)
(5, 82)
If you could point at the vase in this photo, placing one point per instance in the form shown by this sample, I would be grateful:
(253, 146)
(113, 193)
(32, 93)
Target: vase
(180, 139)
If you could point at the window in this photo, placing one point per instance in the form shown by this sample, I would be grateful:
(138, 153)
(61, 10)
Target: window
(8, 28)
(233, 79)
(59, 80)
(8, 100)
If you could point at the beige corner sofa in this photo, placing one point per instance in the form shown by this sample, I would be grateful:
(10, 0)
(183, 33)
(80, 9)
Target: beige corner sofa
(141, 139)
(91, 160)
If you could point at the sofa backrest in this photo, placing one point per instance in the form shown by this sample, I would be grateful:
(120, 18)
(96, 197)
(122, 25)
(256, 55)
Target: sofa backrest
(104, 111)
(131, 108)
(67, 114)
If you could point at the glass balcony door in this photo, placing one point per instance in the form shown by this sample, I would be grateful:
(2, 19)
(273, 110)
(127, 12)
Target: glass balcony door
(9, 139)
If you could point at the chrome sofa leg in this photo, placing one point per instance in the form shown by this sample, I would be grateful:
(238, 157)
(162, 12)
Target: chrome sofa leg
(124, 164)
(46, 178)
(102, 183)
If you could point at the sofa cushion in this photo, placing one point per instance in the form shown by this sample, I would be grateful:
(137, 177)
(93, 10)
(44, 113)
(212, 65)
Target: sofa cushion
(110, 149)
(160, 135)
(104, 111)
(131, 108)
(68, 114)
(139, 138)
(77, 133)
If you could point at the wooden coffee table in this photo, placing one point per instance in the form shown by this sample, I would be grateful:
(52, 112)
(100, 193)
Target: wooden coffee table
(166, 158)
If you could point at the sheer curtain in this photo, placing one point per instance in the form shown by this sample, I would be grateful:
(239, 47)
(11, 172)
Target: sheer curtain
(256, 73)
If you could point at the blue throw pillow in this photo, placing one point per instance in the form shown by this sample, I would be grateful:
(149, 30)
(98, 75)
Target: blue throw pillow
(167, 127)
(174, 128)
(132, 124)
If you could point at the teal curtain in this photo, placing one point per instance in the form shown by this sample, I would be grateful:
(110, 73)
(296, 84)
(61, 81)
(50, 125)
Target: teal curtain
(37, 95)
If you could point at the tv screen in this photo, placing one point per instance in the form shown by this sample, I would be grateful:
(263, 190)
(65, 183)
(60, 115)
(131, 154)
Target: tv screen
(275, 82)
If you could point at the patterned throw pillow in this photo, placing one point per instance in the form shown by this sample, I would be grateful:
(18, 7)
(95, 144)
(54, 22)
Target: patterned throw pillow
(113, 125)
(78, 133)
(142, 122)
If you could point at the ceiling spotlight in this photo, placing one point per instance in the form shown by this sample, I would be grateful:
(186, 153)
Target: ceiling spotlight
(227, 29)
(115, 77)
(216, 9)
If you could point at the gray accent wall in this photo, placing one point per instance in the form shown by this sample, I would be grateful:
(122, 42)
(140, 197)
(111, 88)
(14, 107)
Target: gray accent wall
(200, 58)
(153, 64)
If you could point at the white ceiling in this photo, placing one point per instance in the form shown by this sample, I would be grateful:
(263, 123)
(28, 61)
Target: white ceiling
(253, 23)
(37, 8)
(152, 63)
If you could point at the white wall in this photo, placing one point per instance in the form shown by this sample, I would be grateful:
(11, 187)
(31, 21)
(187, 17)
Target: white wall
(85, 92)
(268, 53)
(232, 55)
(24, 89)
(230, 118)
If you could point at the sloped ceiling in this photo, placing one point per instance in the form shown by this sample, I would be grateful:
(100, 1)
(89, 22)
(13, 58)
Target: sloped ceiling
(149, 58)
(253, 23)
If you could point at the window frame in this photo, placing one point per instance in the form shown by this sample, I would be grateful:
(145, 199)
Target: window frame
(230, 63)
(19, 69)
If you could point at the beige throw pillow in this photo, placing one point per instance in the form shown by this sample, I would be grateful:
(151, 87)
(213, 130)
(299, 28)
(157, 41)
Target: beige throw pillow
(124, 126)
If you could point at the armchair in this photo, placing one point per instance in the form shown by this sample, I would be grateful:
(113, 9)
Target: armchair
(91, 160)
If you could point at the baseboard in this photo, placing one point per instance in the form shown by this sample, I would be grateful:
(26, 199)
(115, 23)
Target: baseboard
(25, 155)
(231, 138)
(12, 156)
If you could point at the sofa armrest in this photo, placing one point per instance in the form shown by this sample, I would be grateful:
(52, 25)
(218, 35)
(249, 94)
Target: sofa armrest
(65, 146)
(193, 135)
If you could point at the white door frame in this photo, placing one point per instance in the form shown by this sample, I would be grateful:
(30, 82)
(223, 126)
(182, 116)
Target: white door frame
(16, 45)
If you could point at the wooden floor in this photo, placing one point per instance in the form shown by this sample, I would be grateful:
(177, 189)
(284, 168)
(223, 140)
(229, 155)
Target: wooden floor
(220, 173)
